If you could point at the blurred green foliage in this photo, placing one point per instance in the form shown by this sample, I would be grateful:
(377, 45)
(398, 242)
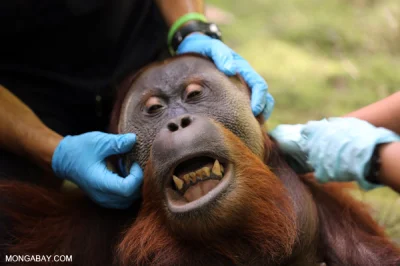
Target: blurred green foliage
(320, 58)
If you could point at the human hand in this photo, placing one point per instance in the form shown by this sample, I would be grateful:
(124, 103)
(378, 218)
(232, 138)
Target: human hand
(81, 159)
(230, 63)
(338, 149)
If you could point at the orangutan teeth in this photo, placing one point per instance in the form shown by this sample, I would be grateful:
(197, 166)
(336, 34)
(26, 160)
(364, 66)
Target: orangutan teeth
(192, 176)
(178, 182)
(205, 173)
(216, 170)
(199, 174)
(187, 178)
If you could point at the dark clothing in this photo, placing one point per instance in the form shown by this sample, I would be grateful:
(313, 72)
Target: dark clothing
(64, 59)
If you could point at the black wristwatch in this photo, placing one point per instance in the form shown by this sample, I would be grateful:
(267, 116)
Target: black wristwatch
(375, 167)
(209, 29)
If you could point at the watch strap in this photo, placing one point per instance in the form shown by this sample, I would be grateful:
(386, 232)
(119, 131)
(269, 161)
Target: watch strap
(209, 29)
(194, 16)
(375, 167)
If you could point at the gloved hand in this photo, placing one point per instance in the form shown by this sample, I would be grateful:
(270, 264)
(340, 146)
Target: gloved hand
(81, 159)
(230, 63)
(338, 149)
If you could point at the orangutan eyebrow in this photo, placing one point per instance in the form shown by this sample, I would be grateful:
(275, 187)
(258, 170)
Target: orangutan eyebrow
(194, 80)
(199, 80)
(151, 92)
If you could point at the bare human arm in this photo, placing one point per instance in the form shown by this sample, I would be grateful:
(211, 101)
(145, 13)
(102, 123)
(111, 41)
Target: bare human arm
(390, 166)
(22, 132)
(385, 113)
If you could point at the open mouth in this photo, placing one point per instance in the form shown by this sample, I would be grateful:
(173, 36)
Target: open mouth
(197, 181)
(196, 177)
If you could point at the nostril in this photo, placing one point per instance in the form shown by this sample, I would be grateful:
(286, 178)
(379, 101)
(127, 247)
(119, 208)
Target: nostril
(172, 127)
(186, 121)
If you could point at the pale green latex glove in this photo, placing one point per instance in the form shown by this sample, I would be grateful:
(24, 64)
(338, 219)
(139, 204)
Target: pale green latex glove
(338, 149)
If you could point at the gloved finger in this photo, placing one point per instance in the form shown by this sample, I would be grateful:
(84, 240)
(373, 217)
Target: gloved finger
(258, 86)
(117, 144)
(214, 49)
(127, 187)
(195, 43)
(258, 98)
(269, 106)
(223, 58)
(290, 142)
(134, 180)
(288, 137)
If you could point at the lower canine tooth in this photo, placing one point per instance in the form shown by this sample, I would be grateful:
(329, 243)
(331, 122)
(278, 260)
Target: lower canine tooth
(178, 182)
(216, 170)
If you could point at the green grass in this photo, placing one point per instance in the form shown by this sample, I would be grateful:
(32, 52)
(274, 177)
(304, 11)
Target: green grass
(320, 58)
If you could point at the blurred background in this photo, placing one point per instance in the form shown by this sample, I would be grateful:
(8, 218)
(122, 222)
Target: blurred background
(320, 59)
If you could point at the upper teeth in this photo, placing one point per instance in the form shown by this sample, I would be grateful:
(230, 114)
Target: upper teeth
(199, 175)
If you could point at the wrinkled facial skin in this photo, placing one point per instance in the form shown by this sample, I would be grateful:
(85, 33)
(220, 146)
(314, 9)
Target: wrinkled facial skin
(186, 85)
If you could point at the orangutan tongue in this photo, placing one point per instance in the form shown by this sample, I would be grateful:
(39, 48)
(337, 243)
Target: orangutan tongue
(200, 189)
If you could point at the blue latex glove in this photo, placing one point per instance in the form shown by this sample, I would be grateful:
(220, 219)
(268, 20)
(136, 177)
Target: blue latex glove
(230, 63)
(81, 159)
(338, 149)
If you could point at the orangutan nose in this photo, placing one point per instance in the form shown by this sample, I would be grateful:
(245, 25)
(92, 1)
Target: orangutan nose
(180, 122)
(185, 135)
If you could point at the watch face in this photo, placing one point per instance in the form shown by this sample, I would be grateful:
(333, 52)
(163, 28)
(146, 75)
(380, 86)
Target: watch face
(213, 28)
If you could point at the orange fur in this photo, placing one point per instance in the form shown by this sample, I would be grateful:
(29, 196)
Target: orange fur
(346, 226)
(257, 215)
(263, 230)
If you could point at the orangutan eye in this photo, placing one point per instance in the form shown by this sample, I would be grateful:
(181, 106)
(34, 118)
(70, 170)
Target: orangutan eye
(193, 94)
(193, 91)
(154, 108)
(153, 105)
